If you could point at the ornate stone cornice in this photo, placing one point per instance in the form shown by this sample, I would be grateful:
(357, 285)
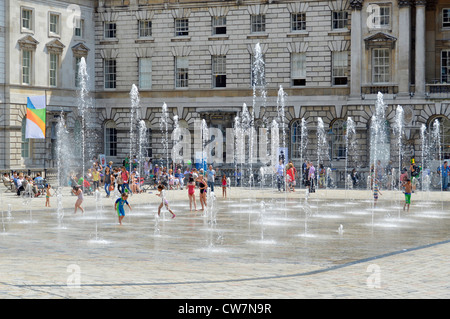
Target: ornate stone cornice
(28, 42)
(420, 2)
(55, 46)
(404, 3)
(356, 4)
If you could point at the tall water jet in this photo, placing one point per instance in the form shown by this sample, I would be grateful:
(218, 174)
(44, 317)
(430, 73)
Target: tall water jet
(247, 129)
(379, 146)
(350, 140)
(164, 126)
(436, 146)
(259, 82)
(322, 146)
(134, 118)
(303, 140)
(425, 174)
(281, 113)
(274, 146)
(176, 158)
(398, 129)
(62, 152)
(143, 142)
(84, 105)
(205, 139)
(239, 153)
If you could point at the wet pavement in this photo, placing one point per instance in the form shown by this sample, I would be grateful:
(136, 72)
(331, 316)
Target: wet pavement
(257, 243)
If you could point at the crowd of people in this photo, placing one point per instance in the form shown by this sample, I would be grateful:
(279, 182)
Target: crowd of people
(22, 184)
(126, 180)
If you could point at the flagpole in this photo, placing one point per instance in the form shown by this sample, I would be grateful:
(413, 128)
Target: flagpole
(45, 156)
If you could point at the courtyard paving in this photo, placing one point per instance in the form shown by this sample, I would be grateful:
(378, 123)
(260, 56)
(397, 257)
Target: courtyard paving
(254, 244)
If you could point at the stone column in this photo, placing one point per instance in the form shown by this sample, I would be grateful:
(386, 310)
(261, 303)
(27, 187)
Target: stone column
(420, 48)
(404, 46)
(356, 49)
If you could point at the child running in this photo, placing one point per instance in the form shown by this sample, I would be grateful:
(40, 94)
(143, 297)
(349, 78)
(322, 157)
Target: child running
(162, 194)
(118, 206)
(47, 196)
(408, 191)
(191, 194)
(376, 191)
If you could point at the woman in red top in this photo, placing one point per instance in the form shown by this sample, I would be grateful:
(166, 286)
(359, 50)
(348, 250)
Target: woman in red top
(291, 176)
(191, 194)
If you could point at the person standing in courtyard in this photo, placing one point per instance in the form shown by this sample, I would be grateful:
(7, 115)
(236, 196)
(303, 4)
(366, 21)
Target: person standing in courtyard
(47, 195)
(210, 176)
(191, 194)
(224, 186)
(119, 206)
(444, 170)
(203, 189)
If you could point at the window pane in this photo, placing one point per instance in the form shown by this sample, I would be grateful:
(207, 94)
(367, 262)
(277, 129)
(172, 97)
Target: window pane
(110, 30)
(145, 28)
(381, 66)
(298, 21)
(219, 25)
(219, 75)
(258, 23)
(53, 69)
(54, 23)
(181, 27)
(145, 73)
(26, 67)
(181, 72)
(298, 65)
(110, 74)
(26, 19)
(339, 75)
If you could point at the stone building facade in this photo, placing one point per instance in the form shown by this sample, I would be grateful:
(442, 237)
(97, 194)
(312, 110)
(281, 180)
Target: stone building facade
(331, 58)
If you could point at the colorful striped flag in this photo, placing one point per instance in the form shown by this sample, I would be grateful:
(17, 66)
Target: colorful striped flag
(36, 111)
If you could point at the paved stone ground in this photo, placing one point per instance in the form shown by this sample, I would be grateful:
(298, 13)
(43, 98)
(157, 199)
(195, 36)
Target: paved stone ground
(262, 244)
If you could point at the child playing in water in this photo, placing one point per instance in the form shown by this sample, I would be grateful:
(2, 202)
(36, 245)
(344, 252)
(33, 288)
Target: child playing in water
(162, 194)
(224, 186)
(47, 196)
(119, 204)
(191, 193)
(408, 191)
(76, 190)
(376, 191)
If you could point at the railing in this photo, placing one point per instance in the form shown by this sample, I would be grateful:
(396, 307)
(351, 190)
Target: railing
(374, 89)
(438, 88)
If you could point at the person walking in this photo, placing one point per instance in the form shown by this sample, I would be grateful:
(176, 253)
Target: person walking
(107, 181)
(279, 168)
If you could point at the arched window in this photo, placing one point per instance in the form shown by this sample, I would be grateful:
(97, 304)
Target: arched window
(296, 140)
(110, 138)
(444, 138)
(25, 142)
(338, 131)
